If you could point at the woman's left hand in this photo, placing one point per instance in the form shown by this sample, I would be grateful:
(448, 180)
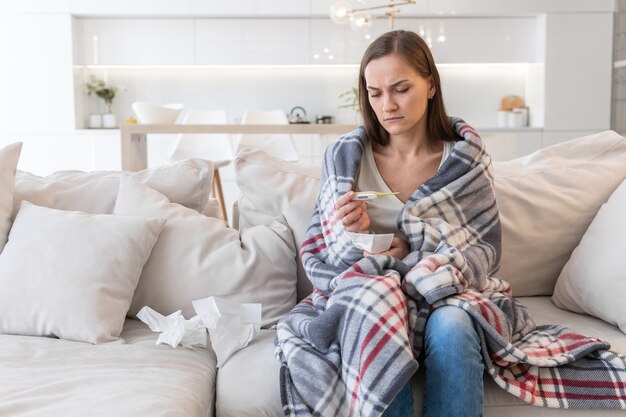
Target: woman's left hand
(399, 249)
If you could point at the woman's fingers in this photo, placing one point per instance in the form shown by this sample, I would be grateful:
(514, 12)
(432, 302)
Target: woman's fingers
(344, 199)
(351, 216)
(352, 213)
(360, 225)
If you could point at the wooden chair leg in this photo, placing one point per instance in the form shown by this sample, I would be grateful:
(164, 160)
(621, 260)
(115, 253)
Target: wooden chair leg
(217, 190)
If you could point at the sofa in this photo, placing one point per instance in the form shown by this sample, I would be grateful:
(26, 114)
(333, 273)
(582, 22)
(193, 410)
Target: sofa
(85, 251)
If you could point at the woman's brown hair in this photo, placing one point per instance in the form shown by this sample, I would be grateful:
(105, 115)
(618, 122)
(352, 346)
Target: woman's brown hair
(411, 48)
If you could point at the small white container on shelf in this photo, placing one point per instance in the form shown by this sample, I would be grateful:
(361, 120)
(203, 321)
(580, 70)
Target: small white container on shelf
(515, 119)
(94, 121)
(524, 112)
(503, 118)
(109, 121)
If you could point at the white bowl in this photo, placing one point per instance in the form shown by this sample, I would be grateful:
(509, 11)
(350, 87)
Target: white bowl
(163, 114)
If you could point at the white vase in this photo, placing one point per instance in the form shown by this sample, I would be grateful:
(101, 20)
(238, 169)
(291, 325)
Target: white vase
(94, 121)
(109, 121)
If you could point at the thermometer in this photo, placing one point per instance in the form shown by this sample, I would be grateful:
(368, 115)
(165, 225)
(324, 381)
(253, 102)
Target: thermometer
(370, 195)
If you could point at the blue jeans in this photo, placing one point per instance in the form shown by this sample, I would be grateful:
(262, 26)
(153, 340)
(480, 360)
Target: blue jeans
(453, 364)
(402, 405)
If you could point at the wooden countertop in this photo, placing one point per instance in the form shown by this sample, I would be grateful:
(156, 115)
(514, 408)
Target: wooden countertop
(134, 137)
(321, 129)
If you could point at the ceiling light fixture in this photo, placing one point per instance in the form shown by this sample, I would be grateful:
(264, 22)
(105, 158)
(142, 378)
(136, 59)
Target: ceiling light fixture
(341, 12)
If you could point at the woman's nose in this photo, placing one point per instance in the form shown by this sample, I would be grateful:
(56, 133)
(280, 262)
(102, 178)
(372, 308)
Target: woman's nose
(389, 104)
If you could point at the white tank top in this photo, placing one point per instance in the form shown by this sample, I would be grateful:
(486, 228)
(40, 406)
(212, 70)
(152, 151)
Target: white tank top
(383, 212)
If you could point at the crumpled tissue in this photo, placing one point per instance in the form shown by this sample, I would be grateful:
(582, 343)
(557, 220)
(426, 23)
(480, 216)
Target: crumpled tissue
(231, 325)
(372, 242)
(174, 328)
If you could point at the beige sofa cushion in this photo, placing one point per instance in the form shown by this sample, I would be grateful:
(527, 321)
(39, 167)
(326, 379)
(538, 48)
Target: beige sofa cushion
(198, 256)
(593, 281)
(248, 383)
(271, 186)
(185, 182)
(546, 202)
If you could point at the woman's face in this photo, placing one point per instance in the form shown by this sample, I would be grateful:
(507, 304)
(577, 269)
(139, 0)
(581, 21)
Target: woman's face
(398, 95)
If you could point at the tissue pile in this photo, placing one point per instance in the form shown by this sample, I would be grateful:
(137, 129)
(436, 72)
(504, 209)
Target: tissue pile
(231, 326)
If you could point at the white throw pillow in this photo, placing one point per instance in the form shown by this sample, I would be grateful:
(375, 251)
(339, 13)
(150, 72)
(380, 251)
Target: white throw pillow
(593, 280)
(197, 257)
(72, 274)
(271, 186)
(9, 156)
(546, 202)
(186, 182)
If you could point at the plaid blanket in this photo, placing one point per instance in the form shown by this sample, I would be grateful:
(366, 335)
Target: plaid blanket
(349, 347)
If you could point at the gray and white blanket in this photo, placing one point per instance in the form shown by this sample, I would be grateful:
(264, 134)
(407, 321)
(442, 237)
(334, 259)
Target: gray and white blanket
(349, 347)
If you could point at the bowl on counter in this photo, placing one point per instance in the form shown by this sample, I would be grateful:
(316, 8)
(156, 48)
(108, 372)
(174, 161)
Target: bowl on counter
(150, 113)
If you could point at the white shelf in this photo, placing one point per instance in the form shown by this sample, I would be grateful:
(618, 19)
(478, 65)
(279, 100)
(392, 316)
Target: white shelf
(508, 129)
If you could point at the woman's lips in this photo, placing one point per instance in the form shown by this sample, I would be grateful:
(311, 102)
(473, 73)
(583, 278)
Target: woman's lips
(393, 119)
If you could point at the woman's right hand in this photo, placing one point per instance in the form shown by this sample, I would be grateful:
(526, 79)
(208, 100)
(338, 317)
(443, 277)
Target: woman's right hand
(352, 213)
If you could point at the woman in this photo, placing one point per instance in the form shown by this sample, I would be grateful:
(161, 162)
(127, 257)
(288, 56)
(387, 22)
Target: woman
(351, 347)
(411, 136)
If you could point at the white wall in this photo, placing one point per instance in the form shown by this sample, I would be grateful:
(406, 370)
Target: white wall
(36, 89)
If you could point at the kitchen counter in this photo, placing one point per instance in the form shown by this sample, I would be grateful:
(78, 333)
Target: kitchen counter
(135, 137)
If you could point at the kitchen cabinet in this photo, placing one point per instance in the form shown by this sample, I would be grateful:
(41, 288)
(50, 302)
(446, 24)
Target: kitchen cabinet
(106, 41)
(579, 60)
(459, 40)
(576, 6)
(125, 8)
(322, 7)
(276, 41)
(133, 41)
(251, 8)
(280, 41)
(504, 145)
(357, 43)
(484, 7)
(472, 40)
(329, 43)
(513, 7)
(296, 8)
(252, 41)
(214, 47)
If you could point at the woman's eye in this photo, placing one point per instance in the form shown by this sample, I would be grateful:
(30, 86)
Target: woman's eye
(402, 91)
(374, 95)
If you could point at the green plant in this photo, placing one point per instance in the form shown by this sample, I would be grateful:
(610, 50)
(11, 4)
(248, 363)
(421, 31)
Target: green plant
(350, 99)
(100, 88)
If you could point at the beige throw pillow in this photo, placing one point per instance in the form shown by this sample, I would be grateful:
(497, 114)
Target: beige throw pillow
(546, 202)
(594, 279)
(186, 182)
(9, 156)
(197, 257)
(271, 186)
(71, 274)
